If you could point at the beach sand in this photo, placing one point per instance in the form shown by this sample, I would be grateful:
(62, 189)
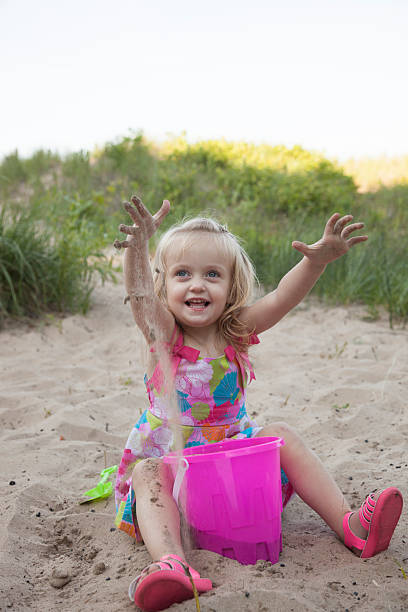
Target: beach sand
(70, 393)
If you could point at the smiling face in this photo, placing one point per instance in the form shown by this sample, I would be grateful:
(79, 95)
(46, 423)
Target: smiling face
(198, 280)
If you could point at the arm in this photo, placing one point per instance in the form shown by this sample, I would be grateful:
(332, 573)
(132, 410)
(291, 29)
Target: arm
(297, 283)
(151, 316)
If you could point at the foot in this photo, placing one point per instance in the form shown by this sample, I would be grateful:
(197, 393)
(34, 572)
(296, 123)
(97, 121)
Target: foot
(165, 582)
(358, 529)
(370, 530)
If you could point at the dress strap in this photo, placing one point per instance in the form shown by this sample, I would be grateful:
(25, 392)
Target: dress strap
(177, 348)
(253, 339)
(231, 353)
(177, 352)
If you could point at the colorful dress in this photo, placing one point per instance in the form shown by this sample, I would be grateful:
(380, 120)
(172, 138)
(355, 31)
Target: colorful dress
(210, 395)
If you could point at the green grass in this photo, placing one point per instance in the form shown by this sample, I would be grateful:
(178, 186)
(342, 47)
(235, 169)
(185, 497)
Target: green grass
(41, 271)
(70, 208)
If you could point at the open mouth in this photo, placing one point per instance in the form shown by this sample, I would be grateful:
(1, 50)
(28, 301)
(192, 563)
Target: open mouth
(197, 304)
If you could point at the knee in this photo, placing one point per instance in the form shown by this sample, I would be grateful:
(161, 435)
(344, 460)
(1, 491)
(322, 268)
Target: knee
(146, 470)
(280, 429)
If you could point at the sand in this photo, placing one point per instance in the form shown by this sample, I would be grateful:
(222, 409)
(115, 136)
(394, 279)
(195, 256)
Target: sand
(71, 390)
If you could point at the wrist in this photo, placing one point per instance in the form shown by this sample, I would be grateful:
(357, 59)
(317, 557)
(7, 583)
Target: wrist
(316, 267)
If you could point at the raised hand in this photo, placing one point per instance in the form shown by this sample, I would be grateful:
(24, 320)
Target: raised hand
(335, 241)
(144, 226)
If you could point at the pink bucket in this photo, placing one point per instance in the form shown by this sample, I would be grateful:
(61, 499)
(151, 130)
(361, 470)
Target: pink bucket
(230, 494)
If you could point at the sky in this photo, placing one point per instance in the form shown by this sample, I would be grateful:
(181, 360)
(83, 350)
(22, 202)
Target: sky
(329, 75)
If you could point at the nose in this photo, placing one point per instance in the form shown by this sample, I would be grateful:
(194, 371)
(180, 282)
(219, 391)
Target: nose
(197, 284)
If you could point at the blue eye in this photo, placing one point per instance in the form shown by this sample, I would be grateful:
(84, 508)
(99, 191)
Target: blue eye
(182, 273)
(213, 274)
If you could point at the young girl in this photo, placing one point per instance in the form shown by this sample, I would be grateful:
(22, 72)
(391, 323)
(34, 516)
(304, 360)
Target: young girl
(194, 313)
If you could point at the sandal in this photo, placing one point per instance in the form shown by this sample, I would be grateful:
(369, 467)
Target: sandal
(379, 517)
(174, 582)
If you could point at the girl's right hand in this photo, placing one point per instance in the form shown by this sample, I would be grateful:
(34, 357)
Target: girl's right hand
(144, 226)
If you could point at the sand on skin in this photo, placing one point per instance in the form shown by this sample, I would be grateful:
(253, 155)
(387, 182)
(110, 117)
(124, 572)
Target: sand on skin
(70, 392)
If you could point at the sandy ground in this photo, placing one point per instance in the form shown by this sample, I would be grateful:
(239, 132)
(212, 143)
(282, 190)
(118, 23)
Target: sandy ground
(70, 392)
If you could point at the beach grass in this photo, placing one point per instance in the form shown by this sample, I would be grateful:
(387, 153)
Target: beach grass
(60, 216)
(43, 270)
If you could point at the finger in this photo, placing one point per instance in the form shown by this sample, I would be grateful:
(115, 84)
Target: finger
(301, 247)
(131, 210)
(351, 228)
(129, 229)
(341, 223)
(118, 244)
(145, 219)
(356, 239)
(163, 212)
(140, 207)
(331, 223)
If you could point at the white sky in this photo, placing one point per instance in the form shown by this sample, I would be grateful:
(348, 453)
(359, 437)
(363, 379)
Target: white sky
(330, 75)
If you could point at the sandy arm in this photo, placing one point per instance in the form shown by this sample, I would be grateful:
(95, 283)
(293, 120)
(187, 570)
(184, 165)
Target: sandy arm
(292, 289)
(150, 315)
(297, 283)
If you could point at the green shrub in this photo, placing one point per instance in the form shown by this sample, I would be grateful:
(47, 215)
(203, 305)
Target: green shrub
(41, 163)
(12, 169)
(274, 179)
(267, 195)
(40, 271)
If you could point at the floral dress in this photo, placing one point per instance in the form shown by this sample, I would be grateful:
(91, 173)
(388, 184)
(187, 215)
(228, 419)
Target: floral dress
(210, 395)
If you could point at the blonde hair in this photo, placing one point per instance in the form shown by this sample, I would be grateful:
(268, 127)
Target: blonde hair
(243, 277)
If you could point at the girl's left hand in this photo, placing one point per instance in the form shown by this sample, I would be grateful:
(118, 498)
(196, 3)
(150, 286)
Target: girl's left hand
(335, 241)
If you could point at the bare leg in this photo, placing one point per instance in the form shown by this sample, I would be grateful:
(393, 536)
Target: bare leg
(159, 523)
(157, 513)
(311, 480)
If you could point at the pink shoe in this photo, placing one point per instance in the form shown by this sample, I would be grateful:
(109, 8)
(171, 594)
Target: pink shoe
(379, 517)
(175, 581)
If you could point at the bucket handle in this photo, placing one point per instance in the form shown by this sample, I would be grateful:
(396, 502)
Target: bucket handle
(182, 468)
